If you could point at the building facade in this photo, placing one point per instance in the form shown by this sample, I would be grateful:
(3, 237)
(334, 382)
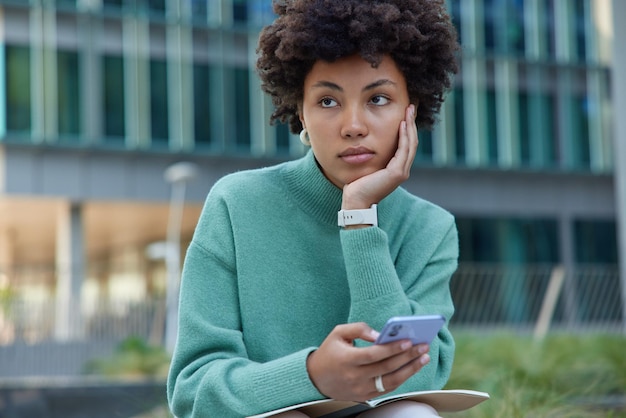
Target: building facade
(99, 97)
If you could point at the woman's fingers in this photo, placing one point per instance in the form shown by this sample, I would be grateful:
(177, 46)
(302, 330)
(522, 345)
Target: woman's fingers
(402, 160)
(392, 380)
(340, 370)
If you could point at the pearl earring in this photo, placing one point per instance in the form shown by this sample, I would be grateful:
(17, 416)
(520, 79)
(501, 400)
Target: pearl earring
(304, 138)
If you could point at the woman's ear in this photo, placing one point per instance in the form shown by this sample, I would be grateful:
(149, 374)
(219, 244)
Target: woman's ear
(300, 113)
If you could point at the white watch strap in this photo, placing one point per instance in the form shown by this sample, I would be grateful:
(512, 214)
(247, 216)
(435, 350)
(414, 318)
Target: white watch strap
(358, 216)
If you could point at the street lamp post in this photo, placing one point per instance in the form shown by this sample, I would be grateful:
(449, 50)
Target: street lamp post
(177, 175)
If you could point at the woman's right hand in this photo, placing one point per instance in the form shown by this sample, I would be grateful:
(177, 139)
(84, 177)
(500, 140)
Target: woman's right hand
(342, 371)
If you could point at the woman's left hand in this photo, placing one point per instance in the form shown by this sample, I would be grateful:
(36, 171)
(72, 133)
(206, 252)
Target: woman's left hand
(370, 189)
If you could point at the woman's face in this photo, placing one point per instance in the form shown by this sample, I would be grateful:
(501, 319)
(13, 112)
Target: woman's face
(352, 113)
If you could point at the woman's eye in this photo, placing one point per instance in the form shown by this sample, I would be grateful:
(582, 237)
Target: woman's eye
(328, 102)
(379, 100)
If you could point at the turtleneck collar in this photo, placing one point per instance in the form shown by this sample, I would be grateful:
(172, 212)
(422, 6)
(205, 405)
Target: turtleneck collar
(312, 191)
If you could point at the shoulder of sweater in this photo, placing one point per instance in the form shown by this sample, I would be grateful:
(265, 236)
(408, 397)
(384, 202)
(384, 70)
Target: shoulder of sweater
(247, 181)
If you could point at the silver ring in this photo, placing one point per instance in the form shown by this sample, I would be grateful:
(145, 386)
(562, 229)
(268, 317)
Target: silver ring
(379, 384)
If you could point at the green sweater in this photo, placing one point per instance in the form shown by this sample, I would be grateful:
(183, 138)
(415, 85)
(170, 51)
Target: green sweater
(269, 274)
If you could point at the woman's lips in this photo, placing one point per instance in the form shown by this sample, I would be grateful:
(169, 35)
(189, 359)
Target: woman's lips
(357, 155)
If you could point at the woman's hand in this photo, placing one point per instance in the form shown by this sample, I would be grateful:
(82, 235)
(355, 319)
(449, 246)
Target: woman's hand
(344, 372)
(370, 189)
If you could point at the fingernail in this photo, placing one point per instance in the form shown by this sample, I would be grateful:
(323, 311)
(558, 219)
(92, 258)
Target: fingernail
(423, 349)
(424, 359)
(412, 110)
(375, 334)
(405, 345)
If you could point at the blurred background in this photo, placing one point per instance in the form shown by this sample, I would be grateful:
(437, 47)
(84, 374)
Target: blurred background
(117, 116)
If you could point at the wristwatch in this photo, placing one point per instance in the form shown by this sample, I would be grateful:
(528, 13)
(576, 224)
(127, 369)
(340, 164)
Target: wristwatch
(358, 216)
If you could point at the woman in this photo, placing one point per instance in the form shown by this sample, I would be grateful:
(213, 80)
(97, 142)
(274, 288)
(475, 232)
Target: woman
(279, 304)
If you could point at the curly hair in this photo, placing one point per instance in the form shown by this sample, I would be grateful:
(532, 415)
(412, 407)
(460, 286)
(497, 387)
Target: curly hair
(417, 34)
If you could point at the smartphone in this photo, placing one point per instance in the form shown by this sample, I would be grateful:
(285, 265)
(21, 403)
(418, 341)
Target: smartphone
(419, 329)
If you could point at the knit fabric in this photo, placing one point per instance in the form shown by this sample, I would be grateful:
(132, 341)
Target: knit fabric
(269, 274)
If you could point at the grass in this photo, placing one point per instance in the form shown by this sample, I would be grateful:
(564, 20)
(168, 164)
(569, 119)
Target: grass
(561, 376)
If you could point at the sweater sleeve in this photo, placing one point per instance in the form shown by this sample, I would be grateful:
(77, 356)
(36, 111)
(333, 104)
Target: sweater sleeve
(410, 276)
(210, 373)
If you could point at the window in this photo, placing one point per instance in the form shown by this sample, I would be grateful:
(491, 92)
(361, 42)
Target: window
(425, 147)
(459, 124)
(68, 104)
(580, 26)
(508, 240)
(112, 4)
(240, 11)
(282, 138)
(201, 107)
(595, 241)
(113, 96)
(537, 121)
(199, 10)
(509, 247)
(580, 131)
(504, 26)
(455, 15)
(18, 88)
(524, 132)
(159, 121)
(242, 109)
(66, 4)
(156, 7)
(260, 12)
(549, 28)
(492, 127)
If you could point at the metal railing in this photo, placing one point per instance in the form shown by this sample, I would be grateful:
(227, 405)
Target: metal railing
(487, 297)
(524, 297)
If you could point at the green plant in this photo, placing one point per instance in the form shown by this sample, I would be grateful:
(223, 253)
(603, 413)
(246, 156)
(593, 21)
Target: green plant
(132, 358)
(550, 378)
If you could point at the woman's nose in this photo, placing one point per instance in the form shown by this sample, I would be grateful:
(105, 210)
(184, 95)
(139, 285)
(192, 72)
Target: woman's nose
(354, 124)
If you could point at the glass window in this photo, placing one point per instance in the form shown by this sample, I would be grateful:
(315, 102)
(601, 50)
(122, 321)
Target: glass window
(425, 146)
(524, 132)
(492, 127)
(596, 241)
(581, 28)
(459, 125)
(68, 80)
(157, 6)
(282, 138)
(242, 109)
(112, 4)
(18, 87)
(113, 96)
(201, 108)
(159, 121)
(504, 25)
(240, 10)
(503, 240)
(455, 15)
(151, 7)
(537, 113)
(260, 12)
(579, 119)
(199, 10)
(549, 28)
(515, 30)
(66, 4)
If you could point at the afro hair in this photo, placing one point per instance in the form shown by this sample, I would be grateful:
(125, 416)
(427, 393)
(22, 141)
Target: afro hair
(417, 34)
